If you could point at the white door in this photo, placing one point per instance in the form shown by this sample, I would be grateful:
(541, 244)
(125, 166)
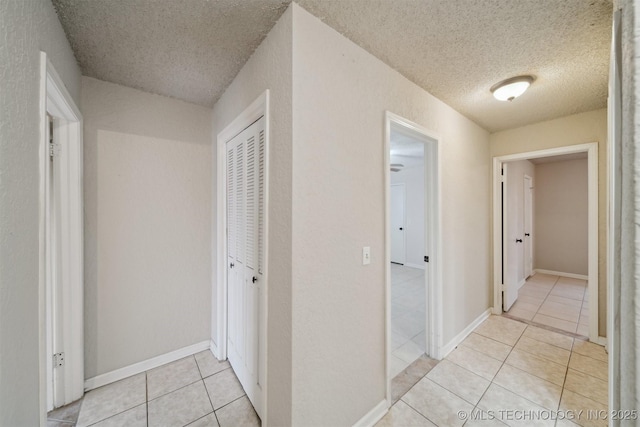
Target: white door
(528, 226)
(510, 243)
(397, 223)
(245, 244)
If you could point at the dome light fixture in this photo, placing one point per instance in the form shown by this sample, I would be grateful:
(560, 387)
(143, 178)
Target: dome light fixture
(510, 89)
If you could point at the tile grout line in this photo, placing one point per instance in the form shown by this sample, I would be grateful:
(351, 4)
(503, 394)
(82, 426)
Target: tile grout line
(475, 408)
(213, 409)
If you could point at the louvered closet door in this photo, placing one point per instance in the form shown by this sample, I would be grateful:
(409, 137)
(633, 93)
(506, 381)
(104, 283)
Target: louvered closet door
(245, 242)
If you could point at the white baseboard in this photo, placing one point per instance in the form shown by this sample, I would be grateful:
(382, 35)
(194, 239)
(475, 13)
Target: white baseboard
(373, 416)
(448, 348)
(561, 274)
(420, 266)
(601, 341)
(214, 349)
(145, 365)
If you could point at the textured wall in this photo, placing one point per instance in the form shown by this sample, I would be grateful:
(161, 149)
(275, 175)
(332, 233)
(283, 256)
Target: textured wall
(26, 28)
(270, 68)
(561, 217)
(147, 193)
(340, 94)
(570, 130)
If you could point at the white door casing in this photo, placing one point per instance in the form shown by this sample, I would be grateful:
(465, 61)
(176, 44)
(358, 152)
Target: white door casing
(528, 226)
(510, 244)
(220, 295)
(433, 238)
(61, 245)
(398, 236)
(245, 202)
(592, 287)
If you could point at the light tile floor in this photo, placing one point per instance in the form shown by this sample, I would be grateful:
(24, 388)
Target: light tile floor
(515, 372)
(196, 391)
(408, 318)
(559, 302)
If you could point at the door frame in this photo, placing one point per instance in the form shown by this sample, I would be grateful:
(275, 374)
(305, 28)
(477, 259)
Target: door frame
(591, 149)
(529, 242)
(56, 101)
(433, 238)
(404, 220)
(257, 109)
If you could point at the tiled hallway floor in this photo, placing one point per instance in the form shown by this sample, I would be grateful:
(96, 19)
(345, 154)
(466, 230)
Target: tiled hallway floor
(197, 391)
(516, 373)
(408, 318)
(559, 302)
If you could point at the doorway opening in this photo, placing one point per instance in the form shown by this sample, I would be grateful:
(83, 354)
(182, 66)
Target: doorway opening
(545, 238)
(412, 245)
(242, 218)
(61, 244)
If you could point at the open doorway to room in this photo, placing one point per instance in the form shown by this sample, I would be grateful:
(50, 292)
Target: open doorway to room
(412, 244)
(408, 286)
(545, 236)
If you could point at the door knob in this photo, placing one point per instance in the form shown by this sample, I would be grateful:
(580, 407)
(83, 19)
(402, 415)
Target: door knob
(527, 234)
(401, 228)
(518, 240)
(254, 280)
(232, 265)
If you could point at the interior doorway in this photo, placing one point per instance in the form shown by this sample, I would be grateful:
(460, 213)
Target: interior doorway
(538, 217)
(61, 244)
(413, 231)
(240, 329)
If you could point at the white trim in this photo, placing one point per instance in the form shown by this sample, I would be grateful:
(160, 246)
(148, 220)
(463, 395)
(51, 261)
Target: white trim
(56, 101)
(433, 236)
(214, 350)
(451, 345)
(614, 211)
(592, 161)
(600, 341)
(522, 282)
(257, 109)
(419, 266)
(374, 415)
(145, 365)
(561, 274)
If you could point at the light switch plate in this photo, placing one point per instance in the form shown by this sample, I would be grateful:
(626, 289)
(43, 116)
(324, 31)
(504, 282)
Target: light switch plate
(366, 255)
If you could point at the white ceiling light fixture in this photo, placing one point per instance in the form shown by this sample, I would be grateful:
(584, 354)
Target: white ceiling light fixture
(510, 89)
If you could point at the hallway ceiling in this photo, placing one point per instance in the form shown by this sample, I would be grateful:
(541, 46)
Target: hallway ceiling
(455, 49)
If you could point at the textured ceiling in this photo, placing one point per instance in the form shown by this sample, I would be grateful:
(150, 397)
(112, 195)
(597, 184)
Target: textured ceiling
(190, 49)
(455, 49)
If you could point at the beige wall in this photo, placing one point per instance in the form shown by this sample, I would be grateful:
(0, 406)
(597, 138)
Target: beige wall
(340, 95)
(26, 28)
(576, 129)
(270, 68)
(561, 217)
(147, 196)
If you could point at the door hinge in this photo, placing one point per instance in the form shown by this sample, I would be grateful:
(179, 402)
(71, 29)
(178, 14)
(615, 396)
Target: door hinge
(426, 258)
(58, 360)
(502, 287)
(51, 150)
